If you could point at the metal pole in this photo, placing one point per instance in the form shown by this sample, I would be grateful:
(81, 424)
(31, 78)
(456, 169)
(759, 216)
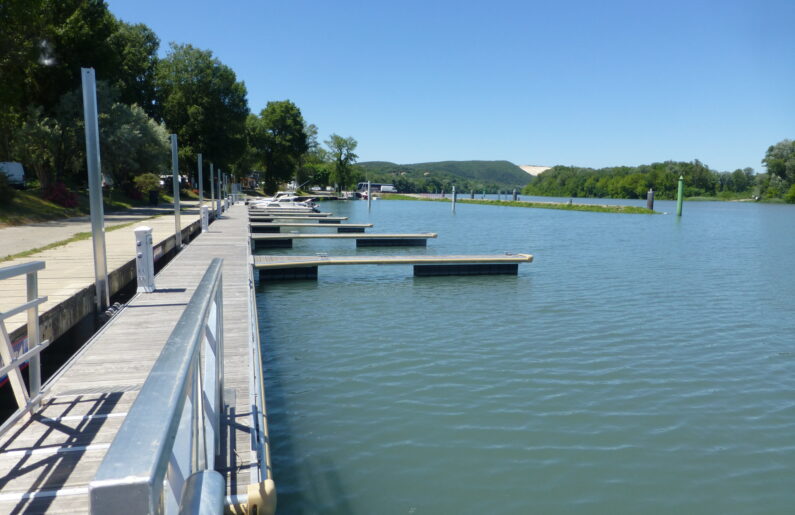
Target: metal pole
(95, 188)
(680, 195)
(175, 181)
(201, 182)
(369, 196)
(220, 196)
(212, 189)
(454, 199)
(650, 200)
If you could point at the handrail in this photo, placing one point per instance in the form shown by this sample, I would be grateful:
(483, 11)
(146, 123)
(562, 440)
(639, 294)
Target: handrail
(260, 437)
(173, 428)
(27, 398)
(260, 496)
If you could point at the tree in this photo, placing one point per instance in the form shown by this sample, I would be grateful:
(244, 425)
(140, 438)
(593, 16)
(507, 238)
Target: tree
(136, 50)
(204, 104)
(780, 160)
(131, 143)
(279, 140)
(341, 151)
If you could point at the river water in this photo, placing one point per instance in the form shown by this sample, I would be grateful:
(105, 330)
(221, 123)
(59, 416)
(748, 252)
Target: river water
(641, 364)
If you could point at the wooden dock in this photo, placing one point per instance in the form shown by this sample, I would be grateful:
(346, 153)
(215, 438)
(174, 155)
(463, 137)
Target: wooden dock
(48, 460)
(305, 267)
(287, 212)
(285, 240)
(270, 227)
(320, 220)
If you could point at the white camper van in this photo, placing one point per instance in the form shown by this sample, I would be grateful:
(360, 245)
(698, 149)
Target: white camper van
(14, 172)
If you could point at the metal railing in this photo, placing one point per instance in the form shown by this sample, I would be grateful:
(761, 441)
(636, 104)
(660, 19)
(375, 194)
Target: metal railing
(27, 398)
(162, 460)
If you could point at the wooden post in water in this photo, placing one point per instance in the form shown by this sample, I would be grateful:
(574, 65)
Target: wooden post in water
(472, 194)
(484, 194)
(514, 194)
(680, 192)
(650, 200)
(369, 196)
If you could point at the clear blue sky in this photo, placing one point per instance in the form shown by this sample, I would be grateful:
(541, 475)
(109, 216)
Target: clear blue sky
(583, 83)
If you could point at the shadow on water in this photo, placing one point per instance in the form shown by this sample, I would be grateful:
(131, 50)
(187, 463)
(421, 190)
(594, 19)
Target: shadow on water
(304, 484)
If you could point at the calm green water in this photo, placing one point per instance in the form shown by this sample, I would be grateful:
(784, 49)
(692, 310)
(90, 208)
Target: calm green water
(641, 364)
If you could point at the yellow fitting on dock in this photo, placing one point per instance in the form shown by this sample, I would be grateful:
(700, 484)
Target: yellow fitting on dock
(260, 500)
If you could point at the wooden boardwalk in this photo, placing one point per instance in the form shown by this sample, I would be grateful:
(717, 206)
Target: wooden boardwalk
(47, 460)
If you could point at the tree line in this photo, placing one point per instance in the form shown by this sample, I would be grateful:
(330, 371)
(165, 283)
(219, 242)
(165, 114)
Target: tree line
(700, 181)
(142, 99)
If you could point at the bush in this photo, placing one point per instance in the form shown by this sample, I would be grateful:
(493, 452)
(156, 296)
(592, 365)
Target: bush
(790, 196)
(7, 192)
(131, 191)
(147, 182)
(59, 194)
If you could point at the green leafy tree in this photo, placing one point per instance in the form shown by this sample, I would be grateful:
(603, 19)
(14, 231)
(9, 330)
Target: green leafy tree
(47, 145)
(279, 141)
(780, 160)
(341, 151)
(131, 143)
(136, 51)
(203, 103)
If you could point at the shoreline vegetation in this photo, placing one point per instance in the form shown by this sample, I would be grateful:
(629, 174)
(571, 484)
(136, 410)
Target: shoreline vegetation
(564, 206)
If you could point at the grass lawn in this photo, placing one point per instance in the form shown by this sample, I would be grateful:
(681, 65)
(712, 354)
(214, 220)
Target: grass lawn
(541, 205)
(28, 206)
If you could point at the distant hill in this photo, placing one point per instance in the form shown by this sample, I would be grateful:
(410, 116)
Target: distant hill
(501, 173)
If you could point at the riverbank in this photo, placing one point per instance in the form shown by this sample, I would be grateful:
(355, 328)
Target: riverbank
(564, 206)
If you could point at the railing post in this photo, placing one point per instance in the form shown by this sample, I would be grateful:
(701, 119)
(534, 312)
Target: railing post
(144, 259)
(33, 334)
